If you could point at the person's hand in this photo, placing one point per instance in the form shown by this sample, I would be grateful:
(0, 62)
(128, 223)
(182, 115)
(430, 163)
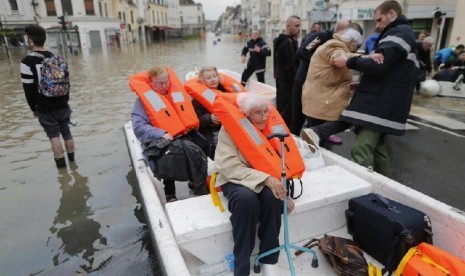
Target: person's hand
(244, 59)
(276, 187)
(377, 57)
(340, 61)
(257, 48)
(35, 113)
(215, 119)
(167, 136)
(290, 205)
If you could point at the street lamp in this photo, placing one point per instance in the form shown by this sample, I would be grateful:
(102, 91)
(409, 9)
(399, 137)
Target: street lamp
(440, 18)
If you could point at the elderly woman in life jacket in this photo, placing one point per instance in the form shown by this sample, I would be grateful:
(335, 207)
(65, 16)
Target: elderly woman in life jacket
(254, 197)
(209, 123)
(209, 78)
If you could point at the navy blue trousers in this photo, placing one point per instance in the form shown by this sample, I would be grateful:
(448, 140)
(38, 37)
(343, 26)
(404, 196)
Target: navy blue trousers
(247, 210)
(248, 71)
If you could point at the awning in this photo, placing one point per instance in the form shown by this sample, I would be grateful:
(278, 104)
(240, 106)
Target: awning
(160, 28)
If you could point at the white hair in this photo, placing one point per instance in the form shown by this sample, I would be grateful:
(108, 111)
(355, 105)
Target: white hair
(428, 40)
(352, 35)
(249, 101)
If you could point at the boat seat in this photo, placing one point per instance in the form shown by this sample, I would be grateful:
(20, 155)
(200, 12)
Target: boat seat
(200, 228)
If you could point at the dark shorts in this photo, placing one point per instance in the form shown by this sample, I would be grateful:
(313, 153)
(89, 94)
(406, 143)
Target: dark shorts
(56, 122)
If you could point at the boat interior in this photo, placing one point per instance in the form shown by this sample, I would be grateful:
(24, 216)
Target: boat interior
(192, 231)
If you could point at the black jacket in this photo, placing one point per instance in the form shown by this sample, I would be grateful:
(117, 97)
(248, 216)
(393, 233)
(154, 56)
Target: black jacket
(424, 57)
(284, 58)
(257, 60)
(383, 98)
(305, 52)
(30, 81)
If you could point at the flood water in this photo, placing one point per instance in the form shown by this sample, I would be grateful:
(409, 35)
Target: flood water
(86, 219)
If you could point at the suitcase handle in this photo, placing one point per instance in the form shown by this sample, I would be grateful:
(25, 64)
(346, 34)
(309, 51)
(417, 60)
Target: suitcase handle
(384, 201)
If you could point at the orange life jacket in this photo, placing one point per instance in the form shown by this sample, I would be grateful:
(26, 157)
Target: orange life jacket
(173, 112)
(261, 153)
(429, 260)
(206, 96)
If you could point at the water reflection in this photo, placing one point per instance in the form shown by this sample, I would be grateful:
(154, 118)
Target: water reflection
(73, 223)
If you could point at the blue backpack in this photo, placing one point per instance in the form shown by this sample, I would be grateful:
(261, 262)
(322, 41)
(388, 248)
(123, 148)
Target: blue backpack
(54, 76)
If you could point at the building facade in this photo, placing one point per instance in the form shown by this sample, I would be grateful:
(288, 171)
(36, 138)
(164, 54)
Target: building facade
(94, 23)
(270, 15)
(192, 18)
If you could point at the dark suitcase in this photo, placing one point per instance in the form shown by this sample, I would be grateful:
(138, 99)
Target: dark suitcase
(386, 229)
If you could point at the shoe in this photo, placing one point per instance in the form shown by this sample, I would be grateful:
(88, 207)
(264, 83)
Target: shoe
(171, 198)
(309, 136)
(190, 185)
(270, 270)
(333, 139)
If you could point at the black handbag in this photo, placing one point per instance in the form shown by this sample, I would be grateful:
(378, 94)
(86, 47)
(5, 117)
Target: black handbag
(169, 158)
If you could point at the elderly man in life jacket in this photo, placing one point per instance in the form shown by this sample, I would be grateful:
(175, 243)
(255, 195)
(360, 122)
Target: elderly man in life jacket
(164, 110)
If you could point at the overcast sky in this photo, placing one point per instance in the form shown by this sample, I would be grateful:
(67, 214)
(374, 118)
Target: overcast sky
(214, 8)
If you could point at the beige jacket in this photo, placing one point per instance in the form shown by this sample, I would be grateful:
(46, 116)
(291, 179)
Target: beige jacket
(232, 166)
(325, 93)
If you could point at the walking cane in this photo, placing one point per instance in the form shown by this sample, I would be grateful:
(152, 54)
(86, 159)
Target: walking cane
(286, 246)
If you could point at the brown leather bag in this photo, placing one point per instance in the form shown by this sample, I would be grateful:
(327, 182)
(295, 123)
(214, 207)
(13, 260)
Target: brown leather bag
(343, 255)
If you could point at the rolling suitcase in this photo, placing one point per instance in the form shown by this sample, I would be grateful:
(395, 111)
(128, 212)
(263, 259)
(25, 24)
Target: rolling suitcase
(386, 229)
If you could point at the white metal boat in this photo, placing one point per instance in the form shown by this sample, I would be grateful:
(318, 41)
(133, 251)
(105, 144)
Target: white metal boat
(192, 231)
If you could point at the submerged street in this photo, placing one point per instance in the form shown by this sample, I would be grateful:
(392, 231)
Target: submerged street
(88, 219)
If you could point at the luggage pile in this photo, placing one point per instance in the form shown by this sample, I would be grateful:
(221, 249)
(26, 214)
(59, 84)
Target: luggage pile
(397, 236)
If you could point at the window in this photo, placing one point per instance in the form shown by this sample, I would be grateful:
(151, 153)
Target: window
(50, 6)
(106, 10)
(132, 17)
(100, 9)
(89, 6)
(14, 6)
(67, 7)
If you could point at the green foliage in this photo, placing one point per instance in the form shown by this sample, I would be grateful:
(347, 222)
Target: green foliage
(7, 32)
(192, 36)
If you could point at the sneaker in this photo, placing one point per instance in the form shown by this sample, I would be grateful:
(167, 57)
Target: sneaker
(333, 139)
(270, 270)
(171, 198)
(309, 136)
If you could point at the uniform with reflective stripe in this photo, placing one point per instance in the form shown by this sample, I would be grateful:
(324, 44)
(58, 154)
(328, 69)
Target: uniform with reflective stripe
(261, 153)
(383, 98)
(173, 112)
(206, 96)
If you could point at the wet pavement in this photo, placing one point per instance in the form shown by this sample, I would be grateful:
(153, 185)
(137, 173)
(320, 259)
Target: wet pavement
(431, 157)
